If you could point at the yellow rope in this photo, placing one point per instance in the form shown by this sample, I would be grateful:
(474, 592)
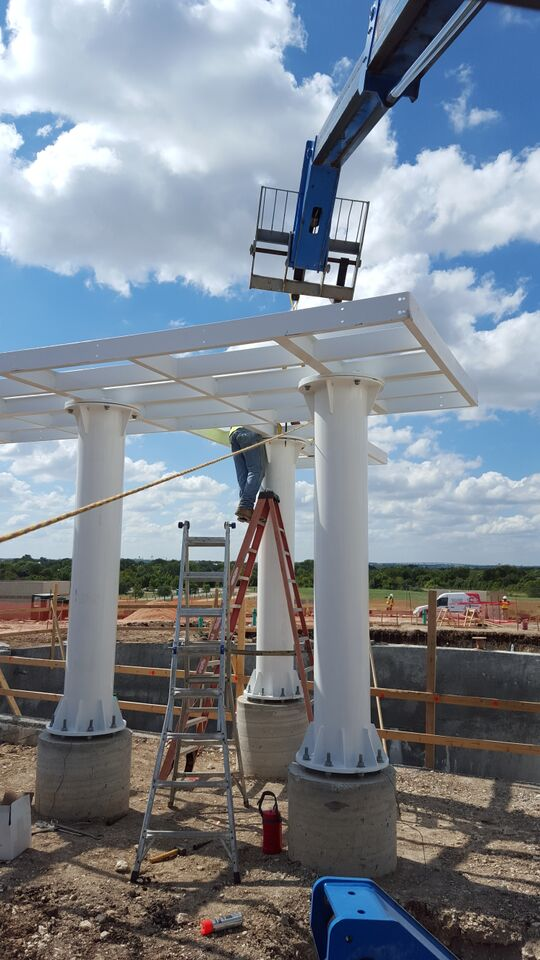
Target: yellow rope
(128, 493)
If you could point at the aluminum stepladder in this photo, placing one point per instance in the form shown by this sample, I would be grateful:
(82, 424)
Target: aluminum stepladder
(266, 514)
(211, 684)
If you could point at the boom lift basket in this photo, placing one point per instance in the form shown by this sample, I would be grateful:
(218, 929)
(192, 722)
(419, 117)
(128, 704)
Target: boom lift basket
(270, 249)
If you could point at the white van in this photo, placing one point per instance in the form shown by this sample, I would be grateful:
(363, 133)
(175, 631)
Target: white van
(457, 602)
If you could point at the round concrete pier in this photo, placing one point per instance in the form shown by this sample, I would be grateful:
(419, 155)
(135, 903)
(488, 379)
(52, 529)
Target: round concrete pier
(343, 825)
(83, 779)
(269, 735)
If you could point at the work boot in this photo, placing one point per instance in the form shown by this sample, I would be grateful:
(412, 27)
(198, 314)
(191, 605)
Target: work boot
(244, 514)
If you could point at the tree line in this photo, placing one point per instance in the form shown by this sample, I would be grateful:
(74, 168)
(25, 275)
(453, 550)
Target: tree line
(161, 576)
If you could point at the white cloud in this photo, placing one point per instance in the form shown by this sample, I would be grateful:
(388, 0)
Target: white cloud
(495, 487)
(153, 181)
(420, 448)
(461, 115)
(386, 436)
(513, 16)
(10, 140)
(447, 507)
(43, 463)
(341, 71)
(176, 120)
(444, 507)
(428, 503)
(305, 492)
(38, 481)
(58, 166)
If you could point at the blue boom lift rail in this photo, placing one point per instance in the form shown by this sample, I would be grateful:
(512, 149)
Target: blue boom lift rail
(356, 920)
(313, 231)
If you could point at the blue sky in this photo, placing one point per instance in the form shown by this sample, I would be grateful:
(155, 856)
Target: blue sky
(132, 144)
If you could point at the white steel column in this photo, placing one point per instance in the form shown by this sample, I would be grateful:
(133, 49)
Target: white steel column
(275, 678)
(88, 707)
(341, 739)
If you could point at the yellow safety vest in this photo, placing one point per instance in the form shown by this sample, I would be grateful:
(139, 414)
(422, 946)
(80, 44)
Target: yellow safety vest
(279, 429)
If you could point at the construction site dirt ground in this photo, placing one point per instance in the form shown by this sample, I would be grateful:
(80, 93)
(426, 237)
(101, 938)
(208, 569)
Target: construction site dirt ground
(468, 869)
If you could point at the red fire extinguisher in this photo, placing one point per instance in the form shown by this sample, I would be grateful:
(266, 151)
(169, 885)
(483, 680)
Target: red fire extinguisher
(272, 825)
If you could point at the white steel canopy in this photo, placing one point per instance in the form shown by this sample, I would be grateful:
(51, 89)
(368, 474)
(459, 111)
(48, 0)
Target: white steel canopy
(242, 372)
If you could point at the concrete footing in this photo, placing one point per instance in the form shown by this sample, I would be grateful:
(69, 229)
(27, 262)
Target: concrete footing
(343, 825)
(269, 735)
(83, 779)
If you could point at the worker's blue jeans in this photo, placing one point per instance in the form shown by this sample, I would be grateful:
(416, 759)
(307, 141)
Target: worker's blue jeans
(250, 466)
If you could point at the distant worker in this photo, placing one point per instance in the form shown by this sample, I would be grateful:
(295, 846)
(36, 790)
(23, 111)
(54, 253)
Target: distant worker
(505, 605)
(250, 467)
(390, 603)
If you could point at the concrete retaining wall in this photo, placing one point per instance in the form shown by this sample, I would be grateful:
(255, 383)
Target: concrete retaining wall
(476, 673)
(480, 673)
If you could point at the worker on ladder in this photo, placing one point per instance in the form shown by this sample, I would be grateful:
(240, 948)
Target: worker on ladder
(250, 468)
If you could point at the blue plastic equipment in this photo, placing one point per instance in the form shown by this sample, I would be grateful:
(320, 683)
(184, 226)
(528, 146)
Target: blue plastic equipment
(355, 920)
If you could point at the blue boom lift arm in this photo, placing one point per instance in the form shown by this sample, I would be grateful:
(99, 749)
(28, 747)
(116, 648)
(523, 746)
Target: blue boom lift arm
(404, 39)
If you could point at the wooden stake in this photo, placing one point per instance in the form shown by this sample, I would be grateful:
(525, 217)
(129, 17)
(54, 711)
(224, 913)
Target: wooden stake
(431, 675)
(55, 626)
(377, 699)
(13, 706)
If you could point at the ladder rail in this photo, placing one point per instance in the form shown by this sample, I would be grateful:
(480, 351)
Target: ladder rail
(171, 740)
(224, 656)
(168, 719)
(275, 516)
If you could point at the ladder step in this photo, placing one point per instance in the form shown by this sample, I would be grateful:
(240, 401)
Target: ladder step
(205, 576)
(198, 784)
(188, 834)
(202, 677)
(206, 541)
(199, 649)
(188, 738)
(193, 612)
(202, 710)
(198, 678)
(184, 693)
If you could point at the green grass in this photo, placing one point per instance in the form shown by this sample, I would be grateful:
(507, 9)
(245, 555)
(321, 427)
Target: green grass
(411, 598)
(402, 598)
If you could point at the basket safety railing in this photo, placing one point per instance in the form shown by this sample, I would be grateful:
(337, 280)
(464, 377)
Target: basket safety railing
(270, 268)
